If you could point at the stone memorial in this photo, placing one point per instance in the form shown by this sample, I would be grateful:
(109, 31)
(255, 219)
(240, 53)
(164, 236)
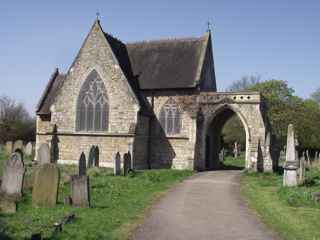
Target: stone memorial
(82, 165)
(18, 145)
(54, 145)
(9, 147)
(45, 187)
(126, 163)
(302, 169)
(28, 149)
(12, 180)
(290, 166)
(93, 160)
(117, 164)
(80, 191)
(44, 155)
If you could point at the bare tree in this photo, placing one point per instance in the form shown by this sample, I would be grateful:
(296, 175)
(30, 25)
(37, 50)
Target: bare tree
(15, 121)
(244, 83)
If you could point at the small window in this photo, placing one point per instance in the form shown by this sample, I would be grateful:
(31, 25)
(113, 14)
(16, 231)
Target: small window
(92, 105)
(170, 118)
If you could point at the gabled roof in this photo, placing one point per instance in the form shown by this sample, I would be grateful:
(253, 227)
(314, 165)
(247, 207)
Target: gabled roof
(160, 64)
(50, 92)
(167, 64)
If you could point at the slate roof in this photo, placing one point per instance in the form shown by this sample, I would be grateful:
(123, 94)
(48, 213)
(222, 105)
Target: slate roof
(159, 64)
(50, 92)
(167, 64)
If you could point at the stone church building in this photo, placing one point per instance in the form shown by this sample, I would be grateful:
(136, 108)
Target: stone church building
(156, 99)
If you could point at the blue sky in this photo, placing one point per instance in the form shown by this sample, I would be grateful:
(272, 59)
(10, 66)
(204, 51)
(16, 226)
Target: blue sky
(275, 39)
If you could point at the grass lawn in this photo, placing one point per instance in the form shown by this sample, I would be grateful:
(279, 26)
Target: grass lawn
(292, 212)
(118, 205)
(234, 163)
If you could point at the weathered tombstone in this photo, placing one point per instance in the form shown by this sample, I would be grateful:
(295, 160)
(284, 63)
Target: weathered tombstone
(7, 206)
(45, 187)
(82, 165)
(54, 145)
(301, 169)
(290, 167)
(235, 150)
(93, 160)
(18, 145)
(126, 163)
(28, 149)
(117, 164)
(44, 155)
(308, 158)
(80, 191)
(12, 179)
(9, 147)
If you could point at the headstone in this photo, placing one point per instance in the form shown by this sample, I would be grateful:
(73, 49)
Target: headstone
(80, 191)
(7, 206)
(117, 164)
(235, 150)
(126, 163)
(28, 149)
(45, 187)
(302, 169)
(82, 165)
(54, 145)
(18, 145)
(44, 154)
(308, 158)
(93, 160)
(290, 167)
(9, 147)
(13, 174)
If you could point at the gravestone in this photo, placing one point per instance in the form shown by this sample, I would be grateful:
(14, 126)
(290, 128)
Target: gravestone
(44, 155)
(45, 187)
(80, 191)
(302, 169)
(54, 145)
(82, 165)
(126, 163)
(12, 179)
(290, 167)
(93, 160)
(9, 147)
(7, 206)
(235, 150)
(308, 158)
(28, 149)
(18, 145)
(117, 164)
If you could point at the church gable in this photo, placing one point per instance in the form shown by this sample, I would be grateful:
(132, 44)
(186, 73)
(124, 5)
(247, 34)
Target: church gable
(96, 57)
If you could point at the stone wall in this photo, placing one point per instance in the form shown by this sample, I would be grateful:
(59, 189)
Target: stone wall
(97, 55)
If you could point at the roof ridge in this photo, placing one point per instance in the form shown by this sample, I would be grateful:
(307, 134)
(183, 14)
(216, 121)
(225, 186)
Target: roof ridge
(184, 39)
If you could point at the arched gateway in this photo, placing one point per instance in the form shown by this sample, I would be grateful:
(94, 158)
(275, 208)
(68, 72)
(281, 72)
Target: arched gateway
(214, 110)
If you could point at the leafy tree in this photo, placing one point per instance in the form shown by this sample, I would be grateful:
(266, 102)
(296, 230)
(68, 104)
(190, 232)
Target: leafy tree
(283, 108)
(316, 96)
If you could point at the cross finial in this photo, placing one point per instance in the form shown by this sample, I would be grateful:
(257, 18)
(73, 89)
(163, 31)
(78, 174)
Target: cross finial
(209, 26)
(98, 15)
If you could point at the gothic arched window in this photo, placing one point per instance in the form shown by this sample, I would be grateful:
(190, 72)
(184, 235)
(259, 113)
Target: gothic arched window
(170, 117)
(92, 105)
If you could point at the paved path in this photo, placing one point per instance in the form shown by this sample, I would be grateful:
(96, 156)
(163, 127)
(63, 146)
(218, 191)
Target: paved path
(205, 206)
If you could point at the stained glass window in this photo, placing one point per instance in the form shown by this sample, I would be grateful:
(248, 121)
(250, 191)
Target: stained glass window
(170, 117)
(92, 105)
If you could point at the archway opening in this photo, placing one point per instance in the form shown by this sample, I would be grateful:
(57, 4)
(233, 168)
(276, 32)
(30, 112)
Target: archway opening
(226, 141)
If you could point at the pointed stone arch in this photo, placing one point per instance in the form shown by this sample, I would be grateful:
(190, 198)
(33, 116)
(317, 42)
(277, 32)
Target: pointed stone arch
(92, 113)
(170, 117)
